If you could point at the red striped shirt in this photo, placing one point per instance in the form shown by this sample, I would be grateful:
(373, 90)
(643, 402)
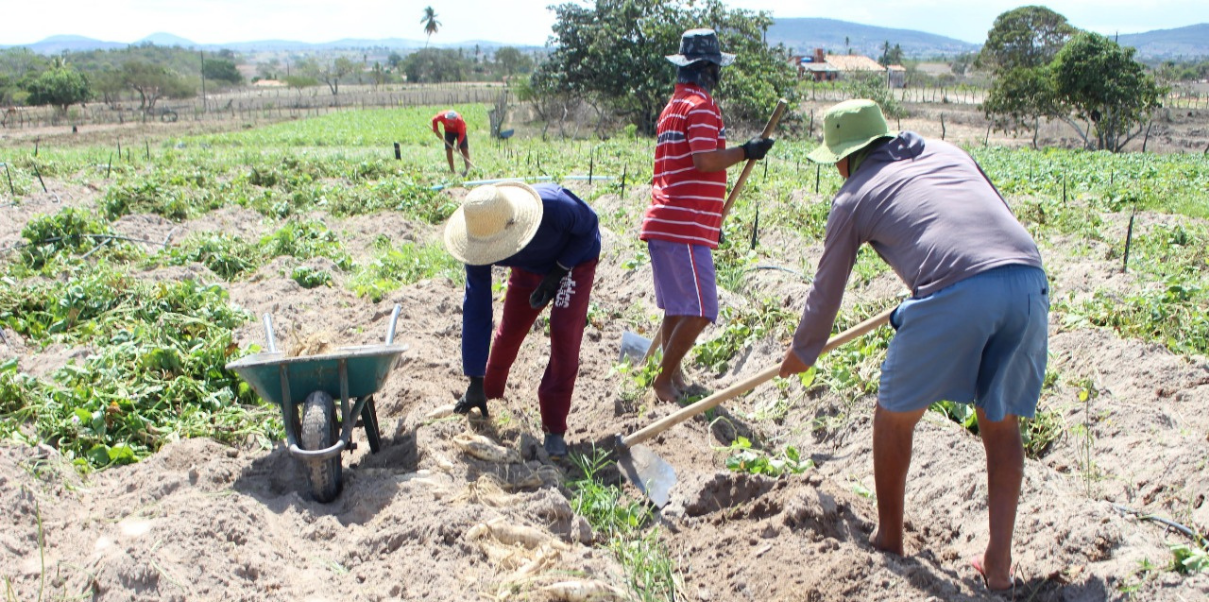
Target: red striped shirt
(686, 204)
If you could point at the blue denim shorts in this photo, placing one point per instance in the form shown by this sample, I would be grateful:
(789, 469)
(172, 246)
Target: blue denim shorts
(982, 340)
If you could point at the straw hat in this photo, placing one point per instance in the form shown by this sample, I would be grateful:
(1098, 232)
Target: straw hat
(848, 127)
(700, 45)
(493, 223)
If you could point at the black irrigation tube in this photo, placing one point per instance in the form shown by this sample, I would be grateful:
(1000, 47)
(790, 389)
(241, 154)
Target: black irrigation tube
(1197, 538)
(108, 238)
(782, 269)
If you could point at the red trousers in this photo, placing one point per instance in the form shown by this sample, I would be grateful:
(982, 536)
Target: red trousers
(568, 316)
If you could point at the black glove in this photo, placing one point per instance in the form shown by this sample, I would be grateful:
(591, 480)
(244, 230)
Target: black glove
(756, 148)
(474, 397)
(548, 288)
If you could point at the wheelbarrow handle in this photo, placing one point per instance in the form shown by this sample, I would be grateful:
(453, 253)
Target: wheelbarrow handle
(394, 319)
(268, 334)
(747, 384)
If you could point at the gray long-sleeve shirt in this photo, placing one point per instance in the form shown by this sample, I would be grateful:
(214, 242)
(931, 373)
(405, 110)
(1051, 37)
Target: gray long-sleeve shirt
(929, 211)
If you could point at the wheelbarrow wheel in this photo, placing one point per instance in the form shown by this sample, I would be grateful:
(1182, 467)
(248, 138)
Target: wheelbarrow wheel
(369, 419)
(319, 431)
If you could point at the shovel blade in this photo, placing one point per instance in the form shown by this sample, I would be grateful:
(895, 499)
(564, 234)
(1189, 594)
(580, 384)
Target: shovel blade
(634, 347)
(650, 473)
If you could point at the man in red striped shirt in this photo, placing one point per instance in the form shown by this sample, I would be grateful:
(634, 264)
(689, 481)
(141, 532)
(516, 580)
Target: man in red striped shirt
(682, 223)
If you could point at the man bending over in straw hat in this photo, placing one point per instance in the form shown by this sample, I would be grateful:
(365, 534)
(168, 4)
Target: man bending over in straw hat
(682, 224)
(974, 329)
(455, 135)
(550, 239)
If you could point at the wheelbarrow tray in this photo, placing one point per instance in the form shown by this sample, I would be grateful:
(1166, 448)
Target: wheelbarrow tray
(367, 365)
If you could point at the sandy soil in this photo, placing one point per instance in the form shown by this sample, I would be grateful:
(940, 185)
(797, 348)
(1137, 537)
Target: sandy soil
(200, 520)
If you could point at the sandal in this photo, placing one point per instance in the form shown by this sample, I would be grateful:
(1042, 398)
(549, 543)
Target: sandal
(976, 562)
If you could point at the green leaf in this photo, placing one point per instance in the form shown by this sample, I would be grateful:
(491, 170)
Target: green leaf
(121, 454)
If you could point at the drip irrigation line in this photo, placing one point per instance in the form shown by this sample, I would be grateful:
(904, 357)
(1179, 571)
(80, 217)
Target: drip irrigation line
(100, 236)
(1193, 535)
(97, 248)
(782, 269)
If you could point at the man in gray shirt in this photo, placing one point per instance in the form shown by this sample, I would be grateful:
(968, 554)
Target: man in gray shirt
(975, 327)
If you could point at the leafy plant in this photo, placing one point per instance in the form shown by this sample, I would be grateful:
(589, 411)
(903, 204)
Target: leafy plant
(649, 566)
(309, 277)
(158, 373)
(604, 506)
(394, 267)
(1188, 559)
(71, 230)
(1041, 431)
(747, 460)
(227, 256)
(304, 240)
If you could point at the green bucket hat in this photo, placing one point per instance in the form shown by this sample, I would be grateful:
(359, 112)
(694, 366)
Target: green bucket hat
(848, 127)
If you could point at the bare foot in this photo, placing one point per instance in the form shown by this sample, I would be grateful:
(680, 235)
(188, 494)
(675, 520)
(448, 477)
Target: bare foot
(995, 578)
(678, 380)
(876, 541)
(665, 390)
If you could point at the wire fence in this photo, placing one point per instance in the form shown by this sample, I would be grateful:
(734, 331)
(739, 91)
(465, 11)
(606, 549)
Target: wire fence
(254, 103)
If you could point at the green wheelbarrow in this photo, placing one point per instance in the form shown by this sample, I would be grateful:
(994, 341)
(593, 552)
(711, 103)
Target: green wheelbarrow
(319, 435)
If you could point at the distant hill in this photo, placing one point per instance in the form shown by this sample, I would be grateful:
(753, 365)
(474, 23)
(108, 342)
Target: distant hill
(1184, 42)
(804, 35)
(58, 44)
(168, 40)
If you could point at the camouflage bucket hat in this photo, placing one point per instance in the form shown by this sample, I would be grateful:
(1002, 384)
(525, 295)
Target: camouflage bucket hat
(700, 45)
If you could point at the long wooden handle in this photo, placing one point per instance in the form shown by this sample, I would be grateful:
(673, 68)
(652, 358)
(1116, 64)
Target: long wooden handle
(748, 383)
(769, 128)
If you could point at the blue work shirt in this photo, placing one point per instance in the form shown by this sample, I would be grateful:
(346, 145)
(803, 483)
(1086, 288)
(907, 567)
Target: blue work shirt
(569, 234)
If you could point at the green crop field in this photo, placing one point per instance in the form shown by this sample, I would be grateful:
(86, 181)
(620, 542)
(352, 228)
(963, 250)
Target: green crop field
(158, 375)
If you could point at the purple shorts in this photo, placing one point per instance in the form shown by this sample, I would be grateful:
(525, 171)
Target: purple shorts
(684, 279)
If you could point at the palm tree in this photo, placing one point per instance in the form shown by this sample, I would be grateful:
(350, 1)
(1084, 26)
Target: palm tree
(431, 24)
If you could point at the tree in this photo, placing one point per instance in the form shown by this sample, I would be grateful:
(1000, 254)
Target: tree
(59, 86)
(891, 55)
(612, 53)
(1028, 37)
(221, 70)
(153, 81)
(109, 83)
(435, 65)
(270, 69)
(510, 61)
(328, 73)
(1019, 99)
(395, 60)
(378, 73)
(430, 22)
(1102, 84)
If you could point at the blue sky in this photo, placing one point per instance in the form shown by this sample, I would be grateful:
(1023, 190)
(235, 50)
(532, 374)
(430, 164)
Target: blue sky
(513, 21)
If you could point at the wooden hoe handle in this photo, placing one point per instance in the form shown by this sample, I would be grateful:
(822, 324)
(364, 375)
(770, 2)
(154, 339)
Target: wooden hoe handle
(769, 128)
(748, 383)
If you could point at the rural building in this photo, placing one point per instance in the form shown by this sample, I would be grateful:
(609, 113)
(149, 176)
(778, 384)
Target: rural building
(830, 67)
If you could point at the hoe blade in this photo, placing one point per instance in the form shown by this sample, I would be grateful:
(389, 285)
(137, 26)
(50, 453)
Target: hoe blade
(648, 472)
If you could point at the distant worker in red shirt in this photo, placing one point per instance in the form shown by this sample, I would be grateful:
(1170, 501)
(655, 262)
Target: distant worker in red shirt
(455, 134)
(683, 222)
